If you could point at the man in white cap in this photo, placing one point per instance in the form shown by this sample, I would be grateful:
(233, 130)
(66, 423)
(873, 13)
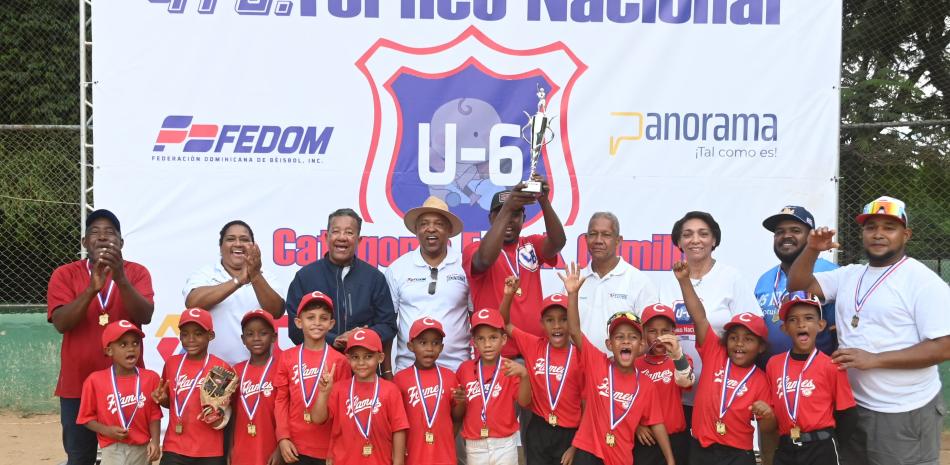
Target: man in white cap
(893, 331)
(430, 282)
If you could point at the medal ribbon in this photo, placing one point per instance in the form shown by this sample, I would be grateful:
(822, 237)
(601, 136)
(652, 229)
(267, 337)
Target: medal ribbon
(252, 411)
(179, 409)
(481, 387)
(859, 302)
(723, 405)
(793, 411)
(516, 268)
(610, 391)
(308, 399)
(369, 421)
(776, 298)
(118, 397)
(430, 419)
(103, 301)
(547, 377)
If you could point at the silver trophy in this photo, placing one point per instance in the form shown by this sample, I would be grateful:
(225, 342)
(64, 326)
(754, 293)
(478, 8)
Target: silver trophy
(541, 134)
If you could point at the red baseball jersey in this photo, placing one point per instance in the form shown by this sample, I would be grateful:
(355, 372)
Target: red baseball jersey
(568, 409)
(260, 396)
(668, 393)
(823, 390)
(197, 438)
(500, 415)
(738, 418)
(488, 288)
(387, 413)
(310, 439)
(81, 352)
(632, 393)
(99, 403)
(442, 449)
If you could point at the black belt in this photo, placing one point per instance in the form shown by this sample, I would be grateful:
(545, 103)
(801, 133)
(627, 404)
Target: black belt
(810, 436)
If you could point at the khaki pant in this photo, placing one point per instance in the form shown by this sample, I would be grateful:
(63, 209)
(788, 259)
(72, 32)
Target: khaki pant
(124, 454)
(492, 451)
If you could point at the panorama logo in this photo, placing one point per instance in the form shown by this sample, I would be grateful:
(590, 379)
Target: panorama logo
(448, 123)
(180, 130)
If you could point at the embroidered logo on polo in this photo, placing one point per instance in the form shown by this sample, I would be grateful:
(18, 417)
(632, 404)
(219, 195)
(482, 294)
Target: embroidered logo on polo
(731, 384)
(666, 376)
(249, 388)
(127, 401)
(472, 391)
(808, 386)
(527, 257)
(428, 393)
(308, 373)
(624, 398)
(360, 405)
(554, 370)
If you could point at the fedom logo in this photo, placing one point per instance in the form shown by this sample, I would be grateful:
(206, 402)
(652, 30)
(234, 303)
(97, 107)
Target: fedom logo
(241, 138)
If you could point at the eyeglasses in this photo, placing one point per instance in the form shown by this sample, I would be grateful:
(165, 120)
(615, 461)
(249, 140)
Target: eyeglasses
(625, 315)
(886, 207)
(434, 276)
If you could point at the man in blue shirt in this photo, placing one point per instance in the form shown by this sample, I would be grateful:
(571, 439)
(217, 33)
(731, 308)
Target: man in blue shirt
(790, 228)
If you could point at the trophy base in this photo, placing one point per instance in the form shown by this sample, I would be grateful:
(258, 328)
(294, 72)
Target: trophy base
(533, 187)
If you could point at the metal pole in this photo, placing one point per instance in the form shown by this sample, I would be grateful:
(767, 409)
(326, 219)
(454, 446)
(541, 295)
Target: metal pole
(83, 161)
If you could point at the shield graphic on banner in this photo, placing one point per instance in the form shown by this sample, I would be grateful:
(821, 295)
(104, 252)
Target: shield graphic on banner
(448, 124)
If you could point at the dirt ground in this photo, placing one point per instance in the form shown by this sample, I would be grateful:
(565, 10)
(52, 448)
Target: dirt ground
(36, 440)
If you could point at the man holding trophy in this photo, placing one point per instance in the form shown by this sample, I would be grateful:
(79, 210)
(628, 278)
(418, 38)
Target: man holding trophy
(502, 252)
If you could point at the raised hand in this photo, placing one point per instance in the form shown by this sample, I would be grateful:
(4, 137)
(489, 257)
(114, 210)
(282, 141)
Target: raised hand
(252, 266)
(672, 343)
(572, 279)
(822, 239)
(513, 368)
(681, 270)
(326, 379)
(98, 277)
(111, 256)
(511, 285)
(160, 394)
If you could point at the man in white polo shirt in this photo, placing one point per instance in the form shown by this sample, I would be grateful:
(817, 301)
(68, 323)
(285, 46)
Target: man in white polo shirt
(612, 284)
(893, 331)
(430, 282)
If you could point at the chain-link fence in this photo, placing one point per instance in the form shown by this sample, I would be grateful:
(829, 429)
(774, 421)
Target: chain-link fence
(895, 72)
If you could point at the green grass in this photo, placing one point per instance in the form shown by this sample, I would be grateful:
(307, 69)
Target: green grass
(29, 363)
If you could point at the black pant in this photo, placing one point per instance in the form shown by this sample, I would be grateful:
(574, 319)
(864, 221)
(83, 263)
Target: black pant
(171, 458)
(649, 455)
(718, 454)
(545, 444)
(582, 457)
(809, 453)
(306, 460)
(79, 442)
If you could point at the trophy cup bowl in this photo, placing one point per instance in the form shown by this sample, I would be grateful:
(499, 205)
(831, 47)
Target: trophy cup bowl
(540, 135)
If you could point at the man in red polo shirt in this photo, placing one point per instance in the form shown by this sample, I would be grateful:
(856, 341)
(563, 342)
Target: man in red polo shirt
(82, 298)
(502, 252)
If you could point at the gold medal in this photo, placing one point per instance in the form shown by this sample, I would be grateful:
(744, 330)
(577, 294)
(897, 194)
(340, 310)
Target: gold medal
(854, 321)
(430, 438)
(721, 428)
(307, 418)
(103, 319)
(484, 432)
(251, 429)
(795, 433)
(518, 292)
(367, 450)
(179, 428)
(611, 440)
(552, 419)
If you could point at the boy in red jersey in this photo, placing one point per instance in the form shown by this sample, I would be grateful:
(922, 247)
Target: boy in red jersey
(302, 440)
(492, 384)
(113, 403)
(431, 396)
(369, 421)
(192, 438)
(732, 391)
(255, 430)
(556, 379)
(671, 371)
(617, 398)
(809, 392)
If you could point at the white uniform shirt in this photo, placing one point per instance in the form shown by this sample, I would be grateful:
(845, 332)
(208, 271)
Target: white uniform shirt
(622, 289)
(227, 314)
(724, 292)
(409, 277)
(908, 307)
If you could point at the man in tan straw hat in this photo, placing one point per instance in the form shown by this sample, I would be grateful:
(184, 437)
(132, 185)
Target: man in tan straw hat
(430, 282)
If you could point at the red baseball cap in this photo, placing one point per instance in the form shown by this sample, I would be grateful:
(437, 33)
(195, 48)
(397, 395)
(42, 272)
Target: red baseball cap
(423, 324)
(655, 310)
(260, 313)
(799, 297)
(117, 329)
(315, 296)
(751, 321)
(620, 318)
(554, 300)
(488, 316)
(366, 338)
(196, 315)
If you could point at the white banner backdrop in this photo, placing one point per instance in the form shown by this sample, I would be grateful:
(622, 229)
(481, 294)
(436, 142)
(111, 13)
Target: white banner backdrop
(278, 112)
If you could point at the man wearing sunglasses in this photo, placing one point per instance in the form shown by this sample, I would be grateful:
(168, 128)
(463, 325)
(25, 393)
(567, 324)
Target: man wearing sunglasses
(893, 331)
(430, 282)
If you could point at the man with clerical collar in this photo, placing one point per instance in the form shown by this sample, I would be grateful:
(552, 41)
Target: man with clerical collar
(430, 282)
